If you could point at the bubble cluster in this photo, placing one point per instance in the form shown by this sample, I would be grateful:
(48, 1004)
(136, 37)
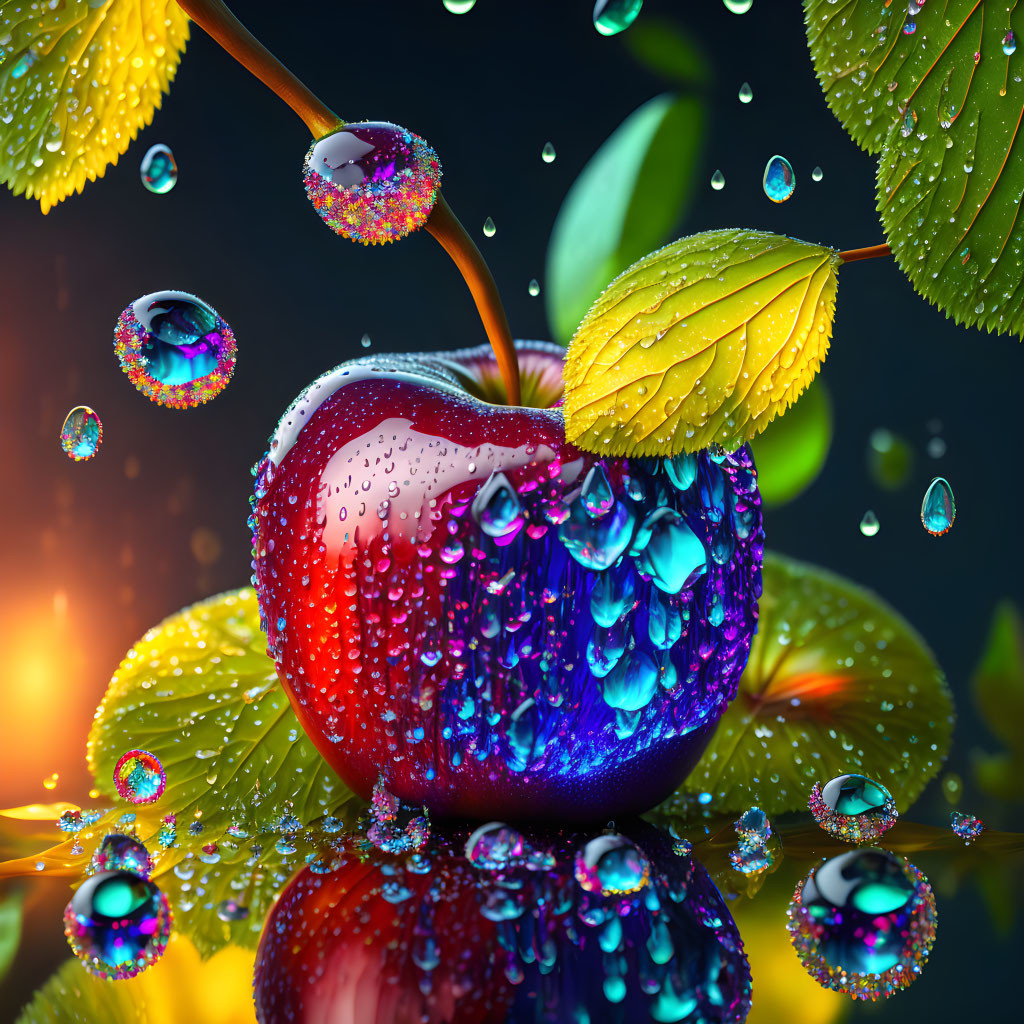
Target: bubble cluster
(81, 434)
(139, 777)
(175, 349)
(372, 182)
(853, 808)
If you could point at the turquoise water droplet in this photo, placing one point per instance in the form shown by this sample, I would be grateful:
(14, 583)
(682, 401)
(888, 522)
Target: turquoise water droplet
(869, 524)
(604, 649)
(718, 181)
(909, 28)
(534, 287)
(674, 556)
(547, 154)
(596, 494)
(159, 170)
(632, 684)
(611, 597)
(779, 181)
(612, 865)
(854, 794)
(746, 93)
(853, 808)
(496, 506)
(597, 543)
(1009, 44)
(664, 622)
(366, 341)
(682, 470)
(817, 174)
(738, 6)
(81, 434)
(489, 228)
(523, 733)
(614, 16)
(938, 509)
(459, 6)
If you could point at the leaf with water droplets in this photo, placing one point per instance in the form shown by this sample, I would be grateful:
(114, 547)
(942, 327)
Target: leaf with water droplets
(837, 682)
(78, 80)
(943, 105)
(704, 341)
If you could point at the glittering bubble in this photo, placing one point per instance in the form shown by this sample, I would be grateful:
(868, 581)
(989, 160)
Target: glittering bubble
(139, 777)
(159, 169)
(853, 807)
(966, 826)
(81, 434)
(117, 924)
(120, 852)
(175, 349)
(611, 865)
(863, 923)
(372, 182)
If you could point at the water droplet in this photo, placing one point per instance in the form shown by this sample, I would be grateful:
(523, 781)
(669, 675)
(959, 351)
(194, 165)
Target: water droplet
(1009, 44)
(394, 826)
(496, 507)
(817, 174)
(614, 16)
(612, 865)
(674, 556)
(632, 683)
(120, 852)
(738, 6)
(175, 349)
(779, 181)
(534, 287)
(81, 434)
(909, 28)
(718, 181)
(366, 341)
(853, 808)
(597, 543)
(754, 825)
(139, 777)
(966, 826)
(869, 524)
(909, 123)
(547, 154)
(489, 228)
(746, 93)
(117, 924)
(495, 846)
(459, 6)
(159, 170)
(596, 493)
(938, 509)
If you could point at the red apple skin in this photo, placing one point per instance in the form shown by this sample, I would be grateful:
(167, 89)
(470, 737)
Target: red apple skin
(405, 658)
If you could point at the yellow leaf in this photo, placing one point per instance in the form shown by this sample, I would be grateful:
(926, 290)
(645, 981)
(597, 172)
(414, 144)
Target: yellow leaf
(78, 80)
(704, 341)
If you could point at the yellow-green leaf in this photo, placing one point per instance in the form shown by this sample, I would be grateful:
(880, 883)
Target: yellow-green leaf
(837, 682)
(704, 341)
(78, 80)
(10, 927)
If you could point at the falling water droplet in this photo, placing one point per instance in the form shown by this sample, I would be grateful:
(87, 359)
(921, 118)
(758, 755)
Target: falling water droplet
(547, 154)
(614, 16)
(489, 228)
(817, 174)
(366, 341)
(738, 6)
(718, 181)
(159, 169)
(459, 6)
(746, 93)
(869, 524)
(81, 434)
(779, 181)
(1009, 44)
(534, 287)
(938, 509)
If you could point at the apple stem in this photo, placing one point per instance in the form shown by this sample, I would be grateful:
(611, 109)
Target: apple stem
(214, 17)
(448, 230)
(868, 253)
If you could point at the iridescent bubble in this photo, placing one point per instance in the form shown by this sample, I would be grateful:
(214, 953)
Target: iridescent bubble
(754, 825)
(394, 827)
(139, 777)
(938, 510)
(117, 924)
(81, 434)
(614, 16)
(495, 846)
(863, 923)
(779, 180)
(175, 349)
(966, 826)
(372, 182)
(853, 808)
(612, 865)
(120, 852)
(159, 170)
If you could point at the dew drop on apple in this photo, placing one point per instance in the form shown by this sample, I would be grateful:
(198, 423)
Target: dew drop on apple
(869, 524)
(534, 287)
(746, 93)
(596, 494)
(459, 6)
(548, 154)
(632, 683)
(612, 865)
(489, 229)
(938, 510)
(718, 181)
(673, 556)
(614, 16)
(779, 181)
(496, 507)
(81, 434)
(159, 170)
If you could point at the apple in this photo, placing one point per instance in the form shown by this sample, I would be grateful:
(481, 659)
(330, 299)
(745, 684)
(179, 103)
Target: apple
(491, 620)
(499, 925)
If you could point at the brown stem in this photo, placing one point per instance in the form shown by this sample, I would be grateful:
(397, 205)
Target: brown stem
(868, 253)
(215, 18)
(448, 230)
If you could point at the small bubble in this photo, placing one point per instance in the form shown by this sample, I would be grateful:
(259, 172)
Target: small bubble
(936, 447)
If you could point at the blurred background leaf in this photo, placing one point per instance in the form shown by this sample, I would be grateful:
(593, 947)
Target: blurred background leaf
(664, 49)
(11, 901)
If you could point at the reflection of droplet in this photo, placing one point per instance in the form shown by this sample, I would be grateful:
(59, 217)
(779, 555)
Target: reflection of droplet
(817, 174)
(869, 524)
(459, 6)
(779, 181)
(746, 93)
(718, 181)
(159, 170)
(853, 808)
(139, 777)
(495, 846)
(81, 434)
(489, 228)
(612, 865)
(738, 6)
(938, 509)
(534, 287)
(547, 154)
(614, 16)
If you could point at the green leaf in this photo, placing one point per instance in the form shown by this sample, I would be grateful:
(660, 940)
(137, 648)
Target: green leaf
(661, 46)
(627, 200)
(702, 342)
(78, 80)
(10, 928)
(837, 682)
(943, 107)
(791, 452)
